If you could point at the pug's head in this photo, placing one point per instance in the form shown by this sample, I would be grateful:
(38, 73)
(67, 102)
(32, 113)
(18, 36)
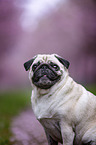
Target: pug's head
(46, 70)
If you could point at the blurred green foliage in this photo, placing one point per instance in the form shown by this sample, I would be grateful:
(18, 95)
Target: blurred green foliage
(91, 88)
(11, 103)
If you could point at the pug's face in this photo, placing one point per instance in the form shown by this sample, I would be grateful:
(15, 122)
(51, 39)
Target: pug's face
(46, 70)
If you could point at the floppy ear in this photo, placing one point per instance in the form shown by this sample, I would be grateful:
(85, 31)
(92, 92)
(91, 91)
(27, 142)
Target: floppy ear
(28, 64)
(63, 61)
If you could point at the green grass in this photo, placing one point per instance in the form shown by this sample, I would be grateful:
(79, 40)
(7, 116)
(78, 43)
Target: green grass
(91, 88)
(11, 103)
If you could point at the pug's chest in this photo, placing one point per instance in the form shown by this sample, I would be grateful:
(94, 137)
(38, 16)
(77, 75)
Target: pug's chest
(42, 110)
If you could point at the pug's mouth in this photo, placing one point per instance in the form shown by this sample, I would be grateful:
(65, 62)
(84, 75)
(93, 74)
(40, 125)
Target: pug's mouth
(45, 77)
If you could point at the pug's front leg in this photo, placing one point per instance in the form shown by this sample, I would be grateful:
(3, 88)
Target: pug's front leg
(67, 133)
(50, 140)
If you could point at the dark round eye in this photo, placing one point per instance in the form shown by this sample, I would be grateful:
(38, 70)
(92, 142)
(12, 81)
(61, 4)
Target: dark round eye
(35, 66)
(55, 66)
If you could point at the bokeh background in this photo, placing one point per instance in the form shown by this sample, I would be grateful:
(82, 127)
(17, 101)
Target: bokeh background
(31, 27)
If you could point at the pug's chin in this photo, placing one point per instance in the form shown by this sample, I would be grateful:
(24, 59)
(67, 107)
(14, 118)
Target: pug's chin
(45, 83)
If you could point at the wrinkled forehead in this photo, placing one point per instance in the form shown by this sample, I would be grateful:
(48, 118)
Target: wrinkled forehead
(46, 58)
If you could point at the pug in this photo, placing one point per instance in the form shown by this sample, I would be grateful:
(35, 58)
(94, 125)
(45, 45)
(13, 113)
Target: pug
(66, 110)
